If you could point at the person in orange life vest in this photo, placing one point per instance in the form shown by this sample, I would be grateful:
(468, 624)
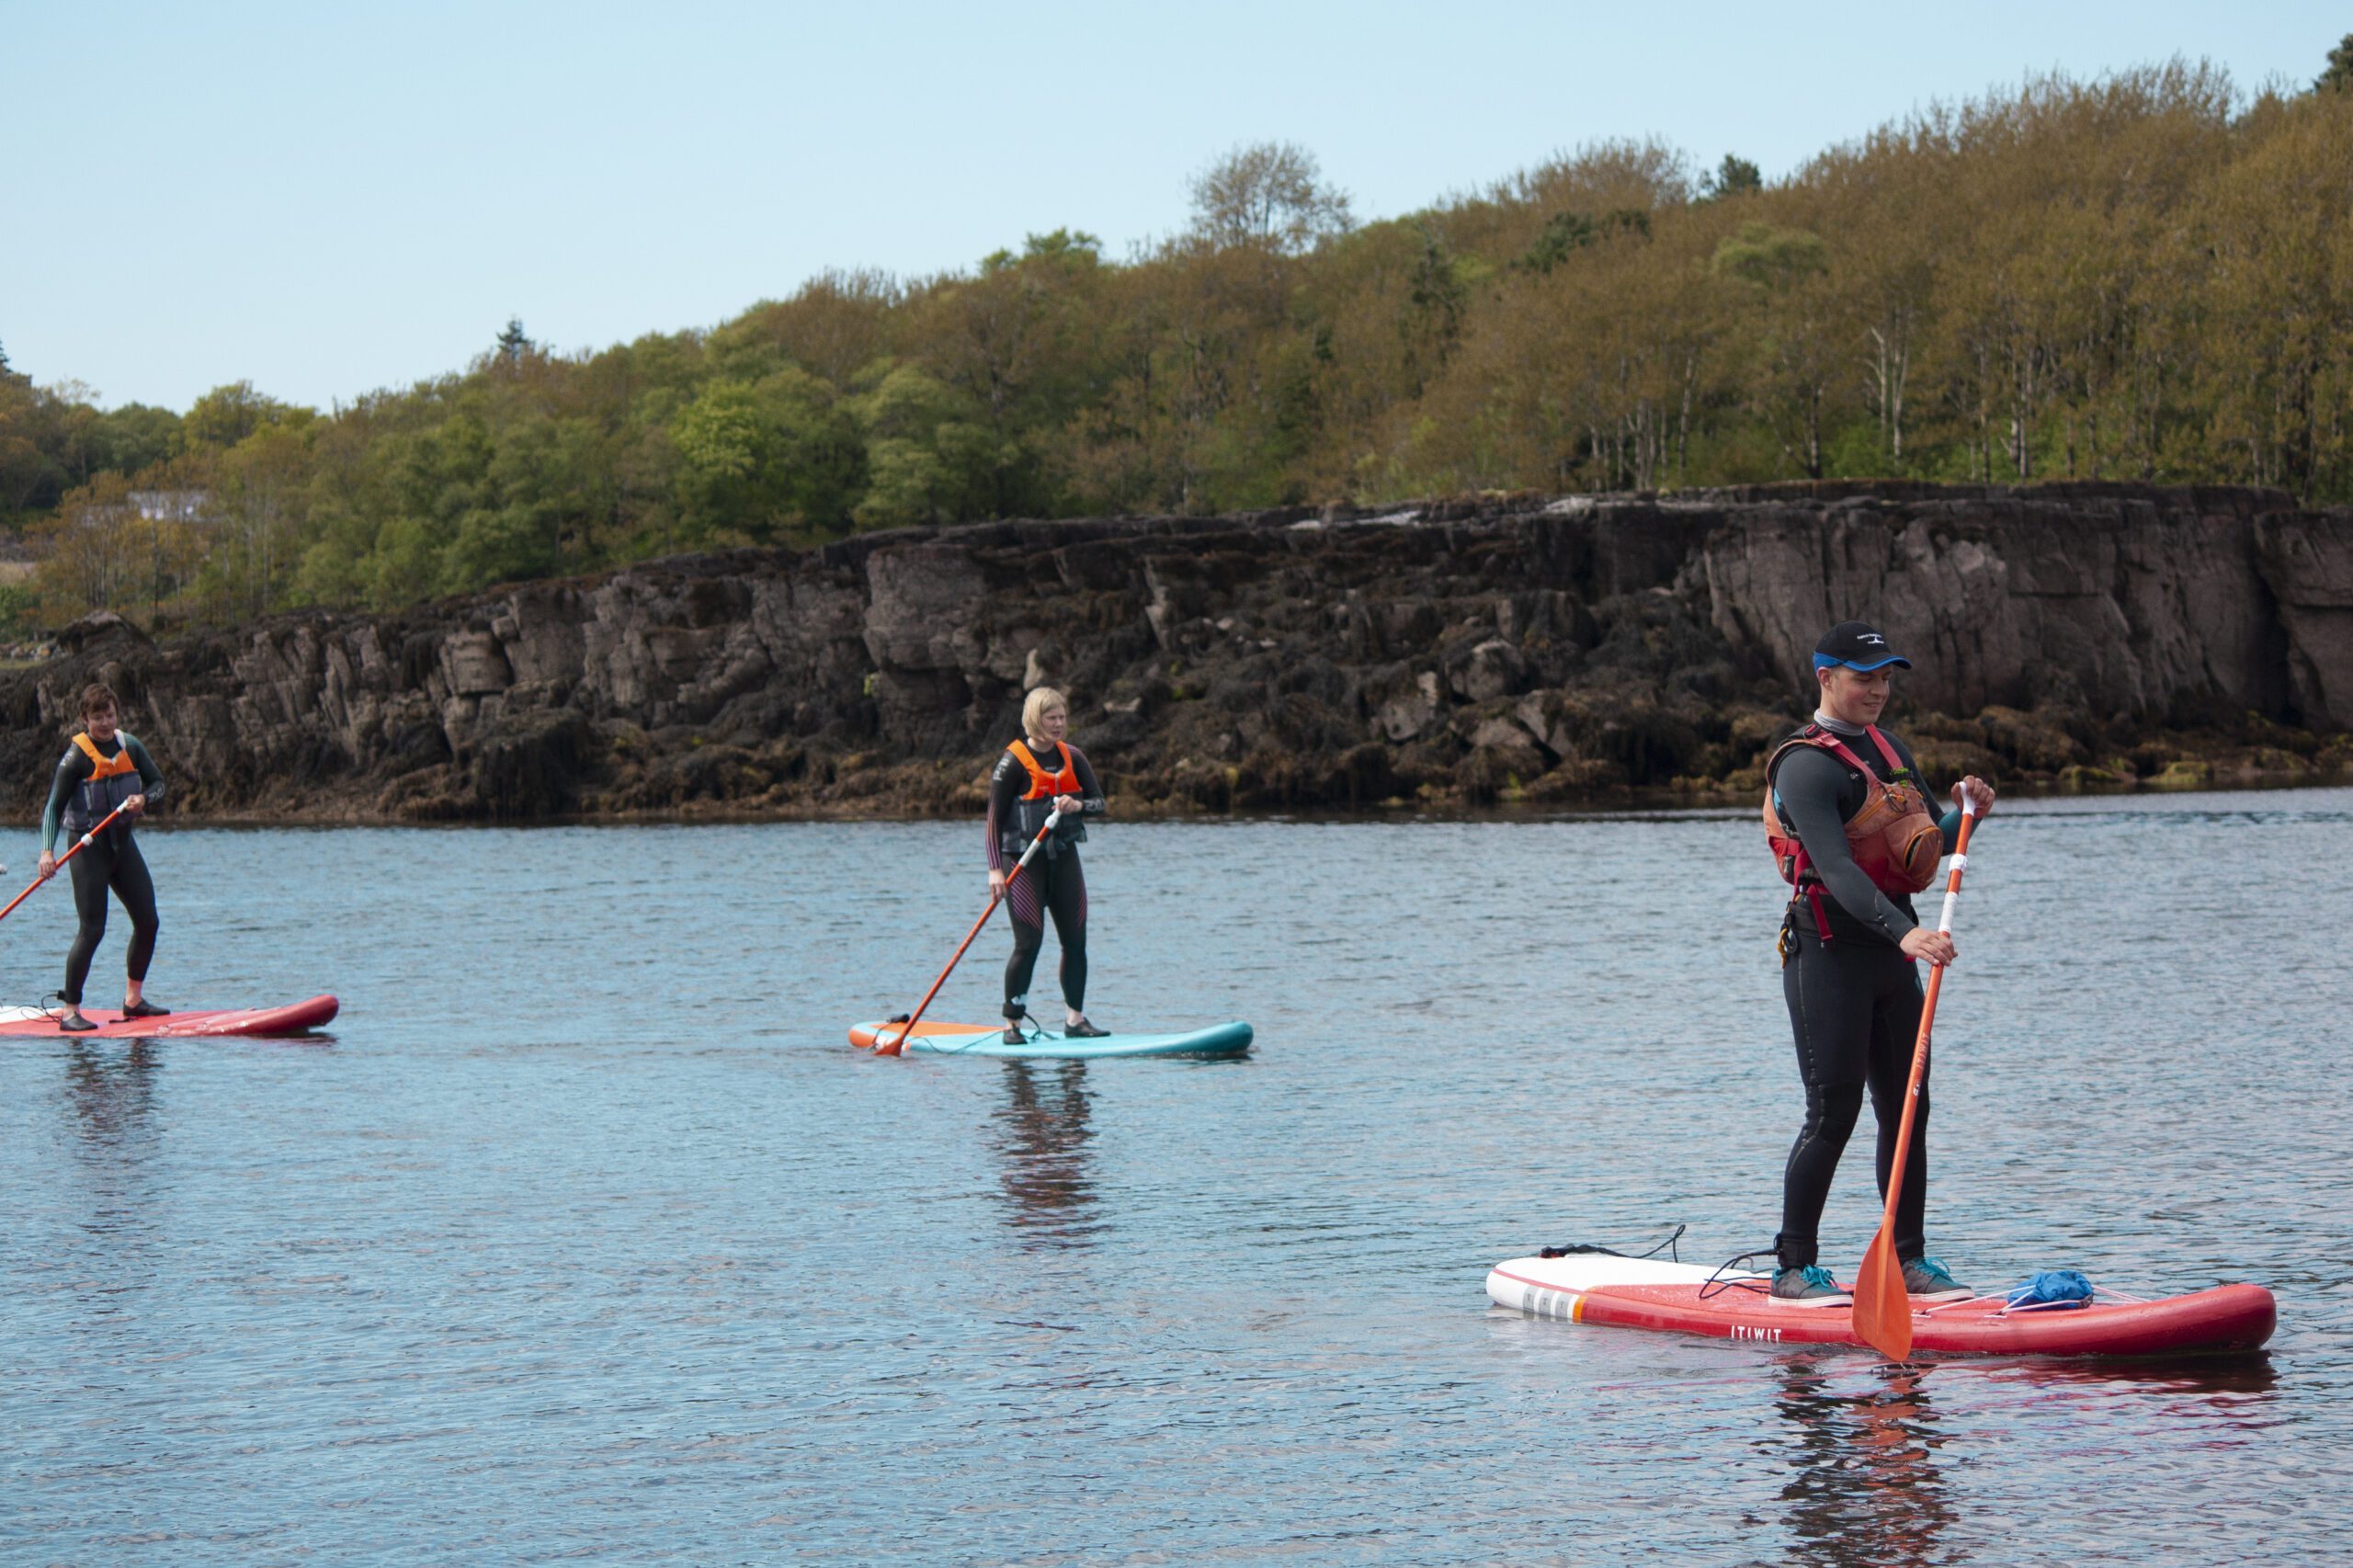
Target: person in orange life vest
(102, 769)
(1850, 827)
(1041, 774)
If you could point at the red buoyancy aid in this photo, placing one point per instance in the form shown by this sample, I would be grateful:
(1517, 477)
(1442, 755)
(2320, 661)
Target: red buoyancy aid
(1895, 838)
(1045, 786)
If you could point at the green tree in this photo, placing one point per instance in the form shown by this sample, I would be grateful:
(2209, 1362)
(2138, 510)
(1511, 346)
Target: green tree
(94, 548)
(1270, 194)
(136, 437)
(771, 462)
(174, 499)
(2337, 79)
(1790, 311)
(931, 456)
(30, 472)
(260, 503)
(1017, 341)
(227, 414)
(838, 323)
(514, 344)
(1735, 176)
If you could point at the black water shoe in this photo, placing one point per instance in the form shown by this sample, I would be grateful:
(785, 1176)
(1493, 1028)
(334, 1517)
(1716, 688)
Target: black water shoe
(144, 1010)
(1084, 1030)
(74, 1023)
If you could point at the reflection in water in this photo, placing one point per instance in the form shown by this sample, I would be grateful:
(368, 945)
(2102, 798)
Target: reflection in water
(1044, 1143)
(113, 1095)
(1865, 1487)
(2196, 1375)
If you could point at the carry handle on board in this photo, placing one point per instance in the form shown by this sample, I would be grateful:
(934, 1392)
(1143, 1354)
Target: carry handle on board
(79, 845)
(1882, 1307)
(893, 1047)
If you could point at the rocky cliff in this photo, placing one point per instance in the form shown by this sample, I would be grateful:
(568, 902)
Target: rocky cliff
(1512, 648)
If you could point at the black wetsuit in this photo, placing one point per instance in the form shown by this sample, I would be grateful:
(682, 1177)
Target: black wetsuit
(76, 801)
(1854, 1001)
(1053, 883)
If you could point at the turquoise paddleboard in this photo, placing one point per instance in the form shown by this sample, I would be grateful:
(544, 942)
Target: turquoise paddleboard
(988, 1039)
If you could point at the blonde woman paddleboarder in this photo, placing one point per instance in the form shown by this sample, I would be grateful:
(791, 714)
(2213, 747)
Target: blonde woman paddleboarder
(1040, 775)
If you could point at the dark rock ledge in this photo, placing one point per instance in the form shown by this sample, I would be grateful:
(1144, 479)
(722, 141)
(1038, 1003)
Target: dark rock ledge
(1514, 648)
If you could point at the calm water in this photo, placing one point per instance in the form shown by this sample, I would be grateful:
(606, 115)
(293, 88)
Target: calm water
(587, 1237)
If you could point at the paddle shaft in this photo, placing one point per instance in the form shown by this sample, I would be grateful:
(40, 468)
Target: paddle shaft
(79, 845)
(893, 1047)
(1882, 1307)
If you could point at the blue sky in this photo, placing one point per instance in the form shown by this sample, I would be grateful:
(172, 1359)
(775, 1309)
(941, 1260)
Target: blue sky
(328, 199)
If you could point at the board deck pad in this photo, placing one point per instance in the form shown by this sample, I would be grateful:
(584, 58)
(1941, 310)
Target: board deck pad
(988, 1039)
(1679, 1297)
(293, 1019)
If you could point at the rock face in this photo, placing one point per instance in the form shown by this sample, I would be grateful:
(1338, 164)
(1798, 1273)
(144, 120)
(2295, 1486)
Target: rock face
(1508, 647)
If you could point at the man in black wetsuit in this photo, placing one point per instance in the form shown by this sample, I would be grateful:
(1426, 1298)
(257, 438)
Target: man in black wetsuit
(1850, 822)
(102, 769)
(1037, 775)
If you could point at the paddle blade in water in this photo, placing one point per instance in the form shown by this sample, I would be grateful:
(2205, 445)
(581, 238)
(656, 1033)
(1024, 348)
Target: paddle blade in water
(1882, 1307)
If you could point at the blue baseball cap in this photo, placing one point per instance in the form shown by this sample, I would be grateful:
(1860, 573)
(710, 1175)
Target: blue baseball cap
(1858, 647)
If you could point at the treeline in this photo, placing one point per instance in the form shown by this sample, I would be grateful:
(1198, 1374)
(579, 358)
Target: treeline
(2147, 277)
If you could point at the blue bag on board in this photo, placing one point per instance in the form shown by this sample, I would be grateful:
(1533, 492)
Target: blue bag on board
(2052, 1289)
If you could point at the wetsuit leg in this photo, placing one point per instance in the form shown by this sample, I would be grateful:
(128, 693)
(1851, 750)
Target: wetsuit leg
(1025, 905)
(1066, 897)
(92, 869)
(1895, 1029)
(137, 889)
(1831, 990)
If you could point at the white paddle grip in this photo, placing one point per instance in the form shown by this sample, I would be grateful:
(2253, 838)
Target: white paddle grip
(1051, 818)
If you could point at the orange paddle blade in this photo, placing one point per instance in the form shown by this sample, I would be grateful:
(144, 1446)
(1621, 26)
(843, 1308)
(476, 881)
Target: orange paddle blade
(1882, 1307)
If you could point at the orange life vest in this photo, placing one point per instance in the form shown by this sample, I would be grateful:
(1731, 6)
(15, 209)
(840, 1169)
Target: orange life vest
(1045, 786)
(104, 789)
(1895, 838)
(105, 766)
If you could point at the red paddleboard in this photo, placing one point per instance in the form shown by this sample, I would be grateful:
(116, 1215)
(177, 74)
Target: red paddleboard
(295, 1018)
(1629, 1293)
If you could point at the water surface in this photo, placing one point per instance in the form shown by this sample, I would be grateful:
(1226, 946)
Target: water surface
(587, 1238)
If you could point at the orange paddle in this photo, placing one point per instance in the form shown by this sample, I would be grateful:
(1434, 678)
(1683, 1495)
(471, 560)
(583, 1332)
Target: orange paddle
(79, 845)
(1882, 1307)
(893, 1047)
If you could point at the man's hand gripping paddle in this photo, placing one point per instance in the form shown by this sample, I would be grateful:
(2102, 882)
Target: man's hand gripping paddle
(79, 845)
(893, 1046)
(1882, 1307)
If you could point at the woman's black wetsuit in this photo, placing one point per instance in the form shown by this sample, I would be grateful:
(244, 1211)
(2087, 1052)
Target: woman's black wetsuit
(77, 800)
(1854, 1001)
(1053, 883)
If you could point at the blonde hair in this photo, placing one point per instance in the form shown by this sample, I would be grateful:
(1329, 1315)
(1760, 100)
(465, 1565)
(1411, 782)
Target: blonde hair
(1034, 705)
